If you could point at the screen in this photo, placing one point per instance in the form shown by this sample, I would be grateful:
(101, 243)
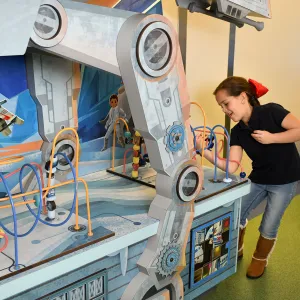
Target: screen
(210, 249)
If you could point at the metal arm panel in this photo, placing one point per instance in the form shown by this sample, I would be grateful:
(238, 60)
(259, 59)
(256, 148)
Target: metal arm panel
(156, 87)
(88, 33)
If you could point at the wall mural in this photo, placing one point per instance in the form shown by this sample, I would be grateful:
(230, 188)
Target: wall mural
(19, 121)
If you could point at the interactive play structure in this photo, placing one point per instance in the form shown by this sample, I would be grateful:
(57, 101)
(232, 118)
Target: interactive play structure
(44, 207)
(128, 212)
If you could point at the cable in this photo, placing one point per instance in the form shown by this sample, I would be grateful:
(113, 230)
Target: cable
(41, 177)
(74, 200)
(228, 147)
(76, 165)
(234, 161)
(195, 146)
(15, 233)
(14, 220)
(37, 217)
(39, 207)
(242, 174)
(195, 138)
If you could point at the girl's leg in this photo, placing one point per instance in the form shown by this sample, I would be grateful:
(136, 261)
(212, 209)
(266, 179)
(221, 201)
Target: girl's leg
(279, 198)
(249, 202)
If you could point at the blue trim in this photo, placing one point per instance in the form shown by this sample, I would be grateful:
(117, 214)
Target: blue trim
(193, 284)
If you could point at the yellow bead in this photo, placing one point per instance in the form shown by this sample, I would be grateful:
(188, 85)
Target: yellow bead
(135, 174)
(137, 133)
(1, 231)
(136, 147)
(136, 160)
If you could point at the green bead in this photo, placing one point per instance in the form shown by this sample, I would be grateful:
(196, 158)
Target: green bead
(127, 134)
(36, 198)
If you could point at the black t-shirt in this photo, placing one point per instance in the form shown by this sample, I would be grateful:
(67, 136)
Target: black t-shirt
(272, 164)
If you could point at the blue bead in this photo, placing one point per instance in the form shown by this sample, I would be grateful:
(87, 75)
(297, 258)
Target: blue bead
(142, 162)
(242, 174)
(210, 146)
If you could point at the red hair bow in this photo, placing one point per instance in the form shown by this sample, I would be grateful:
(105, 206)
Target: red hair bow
(260, 90)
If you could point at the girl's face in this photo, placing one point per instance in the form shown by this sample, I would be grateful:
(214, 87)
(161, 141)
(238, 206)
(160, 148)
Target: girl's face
(234, 107)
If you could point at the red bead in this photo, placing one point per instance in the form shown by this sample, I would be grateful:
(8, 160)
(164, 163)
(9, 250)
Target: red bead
(135, 167)
(135, 153)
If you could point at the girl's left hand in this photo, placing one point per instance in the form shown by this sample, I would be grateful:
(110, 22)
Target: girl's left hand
(263, 137)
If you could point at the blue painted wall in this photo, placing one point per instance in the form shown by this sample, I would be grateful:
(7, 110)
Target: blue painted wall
(93, 104)
(98, 86)
(12, 75)
(13, 86)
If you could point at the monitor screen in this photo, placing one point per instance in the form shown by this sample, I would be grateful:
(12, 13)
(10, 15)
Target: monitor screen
(210, 249)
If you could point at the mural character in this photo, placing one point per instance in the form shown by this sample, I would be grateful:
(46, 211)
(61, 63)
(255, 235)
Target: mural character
(114, 114)
(7, 119)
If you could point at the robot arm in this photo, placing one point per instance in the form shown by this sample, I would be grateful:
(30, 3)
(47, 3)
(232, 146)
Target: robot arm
(144, 50)
(83, 33)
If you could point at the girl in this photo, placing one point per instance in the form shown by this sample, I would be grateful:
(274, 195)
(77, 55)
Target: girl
(268, 134)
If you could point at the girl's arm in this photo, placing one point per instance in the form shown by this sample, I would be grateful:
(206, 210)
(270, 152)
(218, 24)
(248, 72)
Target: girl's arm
(291, 135)
(236, 153)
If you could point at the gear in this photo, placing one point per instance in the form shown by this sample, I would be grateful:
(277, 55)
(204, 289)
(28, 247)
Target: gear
(168, 259)
(174, 139)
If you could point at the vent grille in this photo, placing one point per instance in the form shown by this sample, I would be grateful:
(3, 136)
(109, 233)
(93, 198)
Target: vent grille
(234, 12)
(229, 8)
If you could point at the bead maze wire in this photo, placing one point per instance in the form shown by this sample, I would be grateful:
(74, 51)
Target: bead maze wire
(40, 201)
(217, 153)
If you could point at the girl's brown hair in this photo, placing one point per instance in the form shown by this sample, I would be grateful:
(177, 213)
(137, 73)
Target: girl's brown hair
(234, 86)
